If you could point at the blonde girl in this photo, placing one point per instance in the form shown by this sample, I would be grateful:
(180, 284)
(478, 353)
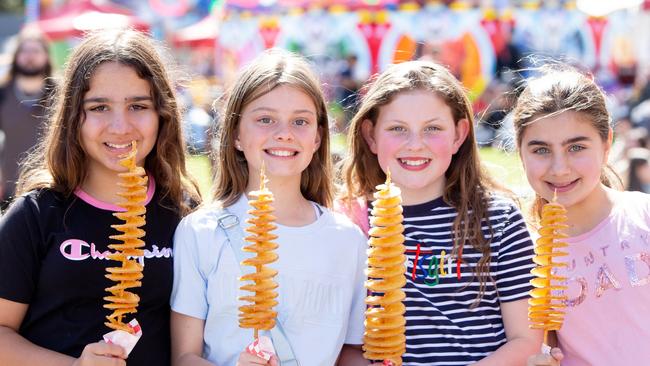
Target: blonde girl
(274, 115)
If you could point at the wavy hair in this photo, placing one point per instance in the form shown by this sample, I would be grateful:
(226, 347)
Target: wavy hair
(467, 186)
(59, 161)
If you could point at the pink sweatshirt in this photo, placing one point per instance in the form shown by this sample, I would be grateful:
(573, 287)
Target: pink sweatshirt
(608, 314)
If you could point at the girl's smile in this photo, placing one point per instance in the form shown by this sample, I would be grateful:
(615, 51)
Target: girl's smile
(563, 153)
(116, 115)
(281, 153)
(414, 163)
(280, 128)
(563, 187)
(416, 144)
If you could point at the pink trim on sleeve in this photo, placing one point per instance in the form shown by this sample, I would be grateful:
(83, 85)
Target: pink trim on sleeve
(151, 189)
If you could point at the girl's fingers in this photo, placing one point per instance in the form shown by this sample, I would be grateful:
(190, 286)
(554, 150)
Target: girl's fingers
(274, 361)
(106, 349)
(101, 354)
(557, 354)
(542, 360)
(246, 359)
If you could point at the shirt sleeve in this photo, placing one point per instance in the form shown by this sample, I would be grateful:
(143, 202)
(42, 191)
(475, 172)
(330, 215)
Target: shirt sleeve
(515, 259)
(357, 310)
(189, 291)
(19, 252)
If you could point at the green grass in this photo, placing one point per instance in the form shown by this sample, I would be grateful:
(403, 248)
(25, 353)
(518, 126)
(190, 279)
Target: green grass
(199, 167)
(504, 167)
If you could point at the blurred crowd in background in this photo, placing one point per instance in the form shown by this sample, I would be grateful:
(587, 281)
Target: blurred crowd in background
(491, 46)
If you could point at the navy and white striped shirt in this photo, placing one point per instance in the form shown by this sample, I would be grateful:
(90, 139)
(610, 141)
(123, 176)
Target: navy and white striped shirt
(441, 328)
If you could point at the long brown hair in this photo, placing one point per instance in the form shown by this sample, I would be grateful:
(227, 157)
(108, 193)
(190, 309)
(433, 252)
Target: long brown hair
(59, 162)
(268, 71)
(560, 88)
(467, 187)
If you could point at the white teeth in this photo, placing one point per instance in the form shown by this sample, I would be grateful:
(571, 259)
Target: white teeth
(118, 146)
(280, 152)
(414, 162)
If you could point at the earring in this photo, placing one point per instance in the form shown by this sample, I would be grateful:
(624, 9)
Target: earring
(238, 146)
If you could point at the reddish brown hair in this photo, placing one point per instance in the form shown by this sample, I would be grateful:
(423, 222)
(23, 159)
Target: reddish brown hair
(467, 187)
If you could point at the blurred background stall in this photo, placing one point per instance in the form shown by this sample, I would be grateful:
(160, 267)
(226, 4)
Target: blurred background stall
(489, 45)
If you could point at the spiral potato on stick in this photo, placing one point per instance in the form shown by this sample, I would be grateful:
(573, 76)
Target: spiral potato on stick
(129, 274)
(384, 337)
(546, 307)
(259, 314)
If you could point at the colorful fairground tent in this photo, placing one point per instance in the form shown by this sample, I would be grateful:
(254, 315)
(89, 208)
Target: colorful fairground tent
(471, 39)
(205, 32)
(79, 16)
(261, 5)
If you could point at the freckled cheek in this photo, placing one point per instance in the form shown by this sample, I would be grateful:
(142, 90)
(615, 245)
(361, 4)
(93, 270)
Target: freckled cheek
(388, 147)
(250, 136)
(305, 134)
(440, 145)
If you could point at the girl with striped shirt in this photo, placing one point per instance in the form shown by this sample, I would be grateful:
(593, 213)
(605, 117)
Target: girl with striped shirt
(469, 254)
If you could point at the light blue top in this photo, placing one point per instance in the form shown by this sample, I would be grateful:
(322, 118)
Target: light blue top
(321, 293)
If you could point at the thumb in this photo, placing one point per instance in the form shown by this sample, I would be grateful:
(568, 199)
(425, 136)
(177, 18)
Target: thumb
(557, 354)
(274, 361)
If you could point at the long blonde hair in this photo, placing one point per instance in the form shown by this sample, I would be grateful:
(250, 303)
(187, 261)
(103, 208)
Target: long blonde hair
(467, 187)
(267, 72)
(59, 161)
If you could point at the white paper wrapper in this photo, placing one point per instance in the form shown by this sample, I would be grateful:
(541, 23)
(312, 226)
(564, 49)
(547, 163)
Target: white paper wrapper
(125, 339)
(546, 349)
(261, 347)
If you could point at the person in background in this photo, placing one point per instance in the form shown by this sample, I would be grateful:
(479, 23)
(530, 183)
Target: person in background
(638, 178)
(349, 88)
(23, 101)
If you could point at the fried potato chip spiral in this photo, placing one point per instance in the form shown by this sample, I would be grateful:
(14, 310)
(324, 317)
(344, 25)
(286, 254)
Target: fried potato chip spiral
(129, 274)
(384, 337)
(259, 315)
(546, 307)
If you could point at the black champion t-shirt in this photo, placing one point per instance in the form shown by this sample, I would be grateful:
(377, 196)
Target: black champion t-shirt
(53, 257)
